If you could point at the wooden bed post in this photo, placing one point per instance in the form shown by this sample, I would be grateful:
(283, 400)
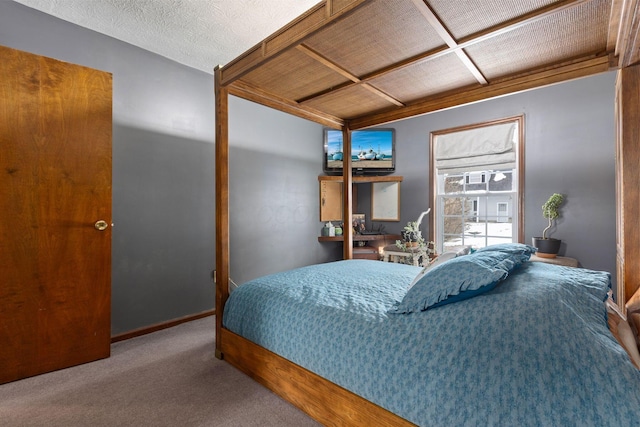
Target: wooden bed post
(222, 204)
(347, 191)
(627, 180)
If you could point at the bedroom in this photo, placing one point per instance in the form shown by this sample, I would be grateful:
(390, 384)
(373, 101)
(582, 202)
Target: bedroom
(162, 129)
(158, 277)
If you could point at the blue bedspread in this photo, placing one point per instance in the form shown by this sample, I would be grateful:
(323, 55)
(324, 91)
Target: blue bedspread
(534, 351)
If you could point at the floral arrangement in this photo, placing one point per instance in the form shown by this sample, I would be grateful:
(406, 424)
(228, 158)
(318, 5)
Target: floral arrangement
(413, 242)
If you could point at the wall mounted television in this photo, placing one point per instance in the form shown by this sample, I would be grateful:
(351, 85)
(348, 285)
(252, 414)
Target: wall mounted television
(373, 151)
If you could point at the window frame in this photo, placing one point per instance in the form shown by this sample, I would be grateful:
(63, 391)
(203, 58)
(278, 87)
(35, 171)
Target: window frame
(520, 172)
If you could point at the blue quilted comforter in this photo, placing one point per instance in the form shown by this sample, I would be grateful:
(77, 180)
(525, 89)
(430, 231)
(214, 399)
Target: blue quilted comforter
(534, 351)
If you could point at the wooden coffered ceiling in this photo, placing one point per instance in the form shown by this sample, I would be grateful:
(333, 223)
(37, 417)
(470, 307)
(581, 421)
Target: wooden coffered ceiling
(363, 63)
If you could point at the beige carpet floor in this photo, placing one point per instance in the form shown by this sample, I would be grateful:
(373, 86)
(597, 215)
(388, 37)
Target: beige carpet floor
(167, 378)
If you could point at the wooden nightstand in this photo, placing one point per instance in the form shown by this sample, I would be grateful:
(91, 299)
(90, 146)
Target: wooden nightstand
(559, 260)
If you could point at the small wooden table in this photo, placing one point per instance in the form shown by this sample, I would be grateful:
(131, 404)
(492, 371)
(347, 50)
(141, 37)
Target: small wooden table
(559, 260)
(392, 253)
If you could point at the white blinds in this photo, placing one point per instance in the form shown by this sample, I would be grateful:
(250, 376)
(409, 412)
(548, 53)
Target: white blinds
(486, 148)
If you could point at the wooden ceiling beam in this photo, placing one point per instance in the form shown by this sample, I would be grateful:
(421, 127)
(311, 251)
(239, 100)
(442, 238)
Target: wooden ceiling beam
(371, 88)
(345, 73)
(444, 34)
(577, 68)
(289, 36)
(432, 54)
(614, 25)
(628, 37)
(254, 94)
(327, 62)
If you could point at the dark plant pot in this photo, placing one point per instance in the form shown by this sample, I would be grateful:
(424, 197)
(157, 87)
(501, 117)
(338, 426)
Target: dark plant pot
(547, 248)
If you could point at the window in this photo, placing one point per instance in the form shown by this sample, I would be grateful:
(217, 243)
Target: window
(477, 179)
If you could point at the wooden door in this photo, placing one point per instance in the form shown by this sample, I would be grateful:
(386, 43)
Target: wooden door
(55, 183)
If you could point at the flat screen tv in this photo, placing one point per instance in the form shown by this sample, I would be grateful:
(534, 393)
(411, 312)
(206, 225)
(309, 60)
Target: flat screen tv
(373, 151)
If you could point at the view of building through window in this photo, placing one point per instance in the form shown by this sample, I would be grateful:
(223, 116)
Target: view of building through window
(476, 172)
(477, 208)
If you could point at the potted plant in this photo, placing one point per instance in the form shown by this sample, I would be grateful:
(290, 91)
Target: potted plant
(411, 234)
(548, 247)
(413, 242)
(415, 245)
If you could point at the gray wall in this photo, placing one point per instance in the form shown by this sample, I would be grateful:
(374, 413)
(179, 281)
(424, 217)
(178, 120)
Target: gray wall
(163, 167)
(274, 163)
(569, 149)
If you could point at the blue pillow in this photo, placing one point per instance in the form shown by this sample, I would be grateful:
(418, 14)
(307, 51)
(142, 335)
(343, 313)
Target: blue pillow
(444, 257)
(510, 248)
(458, 279)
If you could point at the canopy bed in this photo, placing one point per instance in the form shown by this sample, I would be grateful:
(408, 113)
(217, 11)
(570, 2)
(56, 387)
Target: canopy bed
(353, 64)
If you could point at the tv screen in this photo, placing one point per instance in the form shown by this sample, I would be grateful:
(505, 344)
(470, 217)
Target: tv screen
(372, 151)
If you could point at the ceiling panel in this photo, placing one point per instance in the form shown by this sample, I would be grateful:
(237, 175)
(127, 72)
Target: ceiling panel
(350, 102)
(463, 18)
(374, 61)
(378, 34)
(294, 75)
(565, 35)
(425, 78)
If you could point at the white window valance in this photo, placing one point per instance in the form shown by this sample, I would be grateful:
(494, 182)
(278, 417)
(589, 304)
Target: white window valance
(486, 148)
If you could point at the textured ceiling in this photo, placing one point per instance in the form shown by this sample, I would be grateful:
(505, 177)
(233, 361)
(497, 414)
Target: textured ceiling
(197, 33)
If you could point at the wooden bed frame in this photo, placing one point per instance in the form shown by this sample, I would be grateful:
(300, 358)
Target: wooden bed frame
(352, 64)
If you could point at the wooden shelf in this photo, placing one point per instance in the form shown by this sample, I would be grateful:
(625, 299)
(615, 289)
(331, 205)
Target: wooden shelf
(370, 248)
(361, 237)
(363, 178)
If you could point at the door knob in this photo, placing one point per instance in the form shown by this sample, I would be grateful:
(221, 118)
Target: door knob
(101, 225)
